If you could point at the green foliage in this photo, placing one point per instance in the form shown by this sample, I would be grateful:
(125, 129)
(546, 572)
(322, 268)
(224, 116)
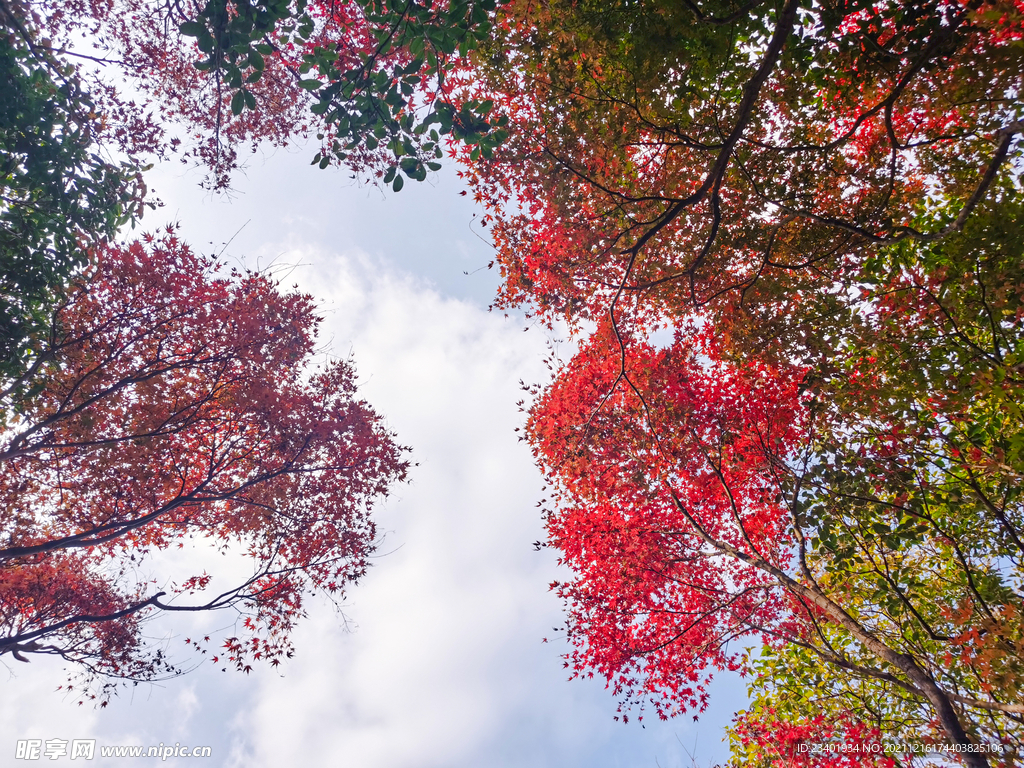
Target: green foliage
(58, 193)
(911, 507)
(385, 99)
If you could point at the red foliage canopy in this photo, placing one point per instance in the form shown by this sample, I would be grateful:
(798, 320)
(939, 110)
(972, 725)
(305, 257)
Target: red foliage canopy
(173, 403)
(667, 463)
(792, 179)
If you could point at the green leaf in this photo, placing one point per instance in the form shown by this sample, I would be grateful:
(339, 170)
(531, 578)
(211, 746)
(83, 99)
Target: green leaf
(192, 29)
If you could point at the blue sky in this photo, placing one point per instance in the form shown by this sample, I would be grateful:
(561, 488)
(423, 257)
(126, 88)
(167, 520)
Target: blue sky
(437, 658)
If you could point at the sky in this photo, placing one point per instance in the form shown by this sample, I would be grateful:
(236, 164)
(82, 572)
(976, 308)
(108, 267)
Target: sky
(444, 655)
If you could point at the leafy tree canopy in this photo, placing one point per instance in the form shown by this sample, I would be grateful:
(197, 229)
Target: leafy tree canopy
(58, 194)
(820, 204)
(371, 78)
(173, 405)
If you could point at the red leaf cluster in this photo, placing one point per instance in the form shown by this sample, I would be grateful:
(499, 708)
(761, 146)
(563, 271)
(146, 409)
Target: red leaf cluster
(657, 453)
(174, 403)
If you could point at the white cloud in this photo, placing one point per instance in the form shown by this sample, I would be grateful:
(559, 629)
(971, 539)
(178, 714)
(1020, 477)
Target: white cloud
(429, 673)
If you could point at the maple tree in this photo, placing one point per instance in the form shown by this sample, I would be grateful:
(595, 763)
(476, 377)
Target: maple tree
(861, 516)
(813, 202)
(173, 404)
(685, 158)
(915, 511)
